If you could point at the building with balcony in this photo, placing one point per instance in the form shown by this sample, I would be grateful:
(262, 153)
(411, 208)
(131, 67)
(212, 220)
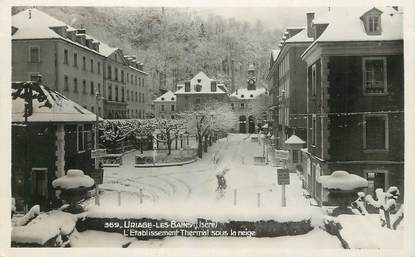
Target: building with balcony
(355, 97)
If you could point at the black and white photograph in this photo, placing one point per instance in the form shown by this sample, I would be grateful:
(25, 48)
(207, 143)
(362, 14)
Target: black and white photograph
(204, 126)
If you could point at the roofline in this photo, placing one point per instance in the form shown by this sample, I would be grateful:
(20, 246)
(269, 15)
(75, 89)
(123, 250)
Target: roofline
(314, 44)
(199, 93)
(137, 70)
(64, 40)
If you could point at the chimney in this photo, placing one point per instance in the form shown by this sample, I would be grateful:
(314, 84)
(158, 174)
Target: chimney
(310, 18)
(88, 42)
(81, 31)
(95, 46)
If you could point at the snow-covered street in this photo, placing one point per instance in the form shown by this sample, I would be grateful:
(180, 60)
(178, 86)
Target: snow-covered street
(196, 182)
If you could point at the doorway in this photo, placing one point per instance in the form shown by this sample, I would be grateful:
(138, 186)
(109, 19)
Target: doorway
(40, 187)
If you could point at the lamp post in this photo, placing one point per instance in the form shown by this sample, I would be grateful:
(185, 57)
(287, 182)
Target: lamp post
(181, 140)
(98, 97)
(186, 134)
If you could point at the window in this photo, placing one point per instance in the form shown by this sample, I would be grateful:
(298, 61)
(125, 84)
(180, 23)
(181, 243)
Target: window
(295, 156)
(122, 94)
(232, 106)
(313, 80)
(99, 88)
(83, 62)
(65, 56)
(142, 83)
(116, 93)
(99, 67)
(374, 76)
(242, 105)
(313, 130)
(75, 85)
(81, 138)
(92, 109)
(172, 107)
(128, 95)
(34, 54)
(84, 86)
(109, 75)
(136, 96)
(122, 76)
(375, 132)
(162, 107)
(373, 24)
(92, 65)
(92, 88)
(135, 80)
(116, 73)
(110, 92)
(65, 83)
(139, 81)
(75, 60)
(198, 87)
(139, 97)
(128, 78)
(99, 111)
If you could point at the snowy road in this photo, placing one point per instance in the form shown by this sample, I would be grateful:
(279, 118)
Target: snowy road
(197, 181)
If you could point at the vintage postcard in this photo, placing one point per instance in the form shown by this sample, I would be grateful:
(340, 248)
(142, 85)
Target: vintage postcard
(224, 127)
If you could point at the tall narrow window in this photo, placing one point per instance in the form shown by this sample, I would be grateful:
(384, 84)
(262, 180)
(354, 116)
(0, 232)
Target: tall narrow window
(374, 76)
(116, 93)
(84, 86)
(75, 85)
(116, 73)
(99, 67)
(75, 60)
(92, 65)
(65, 83)
(109, 92)
(65, 56)
(83, 62)
(313, 80)
(313, 130)
(375, 132)
(109, 75)
(34, 54)
(92, 88)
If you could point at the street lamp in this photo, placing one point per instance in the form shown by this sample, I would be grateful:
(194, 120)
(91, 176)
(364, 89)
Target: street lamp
(98, 97)
(186, 134)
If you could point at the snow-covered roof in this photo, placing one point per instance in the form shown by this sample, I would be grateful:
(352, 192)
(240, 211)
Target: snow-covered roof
(204, 81)
(244, 93)
(274, 54)
(294, 140)
(299, 37)
(106, 50)
(169, 96)
(345, 24)
(62, 109)
(342, 180)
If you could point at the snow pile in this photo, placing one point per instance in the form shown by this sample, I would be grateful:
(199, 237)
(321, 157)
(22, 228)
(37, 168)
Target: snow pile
(73, 179)
(31, 214)
(45, 227)
(342, 180)
(365, 232)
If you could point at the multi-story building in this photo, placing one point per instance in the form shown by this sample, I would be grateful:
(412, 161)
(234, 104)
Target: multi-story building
(250, 104)
(355, 99)
(287, 78)
(68, 60)
(199, 90)
(77, 65)
(138, 90)
(165, 106)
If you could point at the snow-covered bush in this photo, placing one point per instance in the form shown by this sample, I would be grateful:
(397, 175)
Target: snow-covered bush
(390, 216)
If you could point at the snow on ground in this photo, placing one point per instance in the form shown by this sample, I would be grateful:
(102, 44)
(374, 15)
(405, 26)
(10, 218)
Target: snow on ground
(365, 232)
(190, 190)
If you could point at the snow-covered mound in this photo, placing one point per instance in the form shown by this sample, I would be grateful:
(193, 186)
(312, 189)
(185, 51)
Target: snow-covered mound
(73, 179)
(342, 180)
(44, 228)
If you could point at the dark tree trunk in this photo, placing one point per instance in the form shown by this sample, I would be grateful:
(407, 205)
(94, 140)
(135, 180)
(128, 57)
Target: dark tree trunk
(206, 144)
(176, 142)
(200, 148)
(210, 140)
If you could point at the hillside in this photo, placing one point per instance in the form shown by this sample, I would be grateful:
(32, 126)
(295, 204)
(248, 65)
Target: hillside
(177, 41)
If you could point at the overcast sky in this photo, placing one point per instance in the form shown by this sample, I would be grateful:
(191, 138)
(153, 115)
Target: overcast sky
(272, 17)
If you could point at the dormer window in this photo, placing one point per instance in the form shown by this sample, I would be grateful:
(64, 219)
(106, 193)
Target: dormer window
(372, 21)
(198, 87)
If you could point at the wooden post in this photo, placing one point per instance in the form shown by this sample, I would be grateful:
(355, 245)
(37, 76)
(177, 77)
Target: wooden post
(234, 196)
(283, 200)
(119, 198)
(259, 200)
(97, 196)
(141, 196)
